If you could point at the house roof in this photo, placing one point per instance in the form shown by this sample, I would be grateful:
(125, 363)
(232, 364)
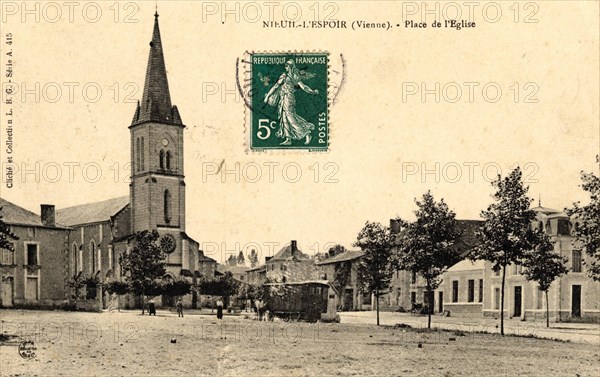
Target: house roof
(467, 265)
(345, 256)
(545, 210)
(204, 258)
(257, 268)
(13, 214)
(91, 212)
(286, 254)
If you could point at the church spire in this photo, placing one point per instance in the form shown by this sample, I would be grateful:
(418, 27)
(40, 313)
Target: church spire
(156, 100)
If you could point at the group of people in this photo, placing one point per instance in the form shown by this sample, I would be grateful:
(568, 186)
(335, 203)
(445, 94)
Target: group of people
(259, 305)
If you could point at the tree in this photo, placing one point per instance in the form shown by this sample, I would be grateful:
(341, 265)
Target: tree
(232, 260)
(177, 287)
(223, 286)
(145, 265)
(253, 258)
(241, 260)
(587, 232)
(506, 235)
(543, 266)
(426, 245)
(374, 269)
(6, 235)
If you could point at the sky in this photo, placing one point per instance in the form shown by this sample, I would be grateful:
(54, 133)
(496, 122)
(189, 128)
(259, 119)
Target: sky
(389, 143)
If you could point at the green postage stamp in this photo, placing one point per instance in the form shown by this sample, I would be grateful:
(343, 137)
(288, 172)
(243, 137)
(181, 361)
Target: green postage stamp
(287, 101)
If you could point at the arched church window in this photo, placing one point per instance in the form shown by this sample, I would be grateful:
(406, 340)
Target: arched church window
(162, 159)
(137, 154)
(142, 154)
(168, 160)
(74, 264)
(167, 206)
(92, 257)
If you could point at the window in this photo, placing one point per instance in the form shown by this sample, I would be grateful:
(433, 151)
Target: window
(142, 154)
(540, 298)
(497, 298)
(168, 158)
(73, 262)
(413, 298)
(576, 262)
(92, 257)
(32, 254)
(471, 293)
(161, 159)
(8, 257)
(167, 206)
(480, 290)
(414, 277)
(137, 154)
(455, 291)
(497, 273)
(541, 226)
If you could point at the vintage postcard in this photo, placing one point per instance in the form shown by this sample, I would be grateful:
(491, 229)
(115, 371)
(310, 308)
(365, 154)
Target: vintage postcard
(299, 188)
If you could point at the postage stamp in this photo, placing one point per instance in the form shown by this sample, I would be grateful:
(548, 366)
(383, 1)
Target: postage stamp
(288, 105)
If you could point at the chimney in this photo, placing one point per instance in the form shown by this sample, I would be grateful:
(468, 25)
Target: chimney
(48, 215)
(294, 248)
(395, 226)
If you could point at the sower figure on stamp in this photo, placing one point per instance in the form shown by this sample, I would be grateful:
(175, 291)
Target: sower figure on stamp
(282, 95)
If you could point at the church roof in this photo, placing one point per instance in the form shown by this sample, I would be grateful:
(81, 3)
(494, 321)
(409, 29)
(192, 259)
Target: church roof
(156, 99)
(91, 212)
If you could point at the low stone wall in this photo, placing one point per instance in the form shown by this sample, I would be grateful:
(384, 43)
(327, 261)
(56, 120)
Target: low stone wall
(86, 306)
(464, 309)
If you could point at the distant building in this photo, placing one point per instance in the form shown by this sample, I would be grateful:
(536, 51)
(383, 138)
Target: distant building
(238, 272)
(34, 274)
(290, 264)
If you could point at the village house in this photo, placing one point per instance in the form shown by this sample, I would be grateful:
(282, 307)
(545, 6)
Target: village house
(290, 264)
(474, 289)
(341, 272)
(408, 290)
(574, 295)
(34, 274)
(257, 275)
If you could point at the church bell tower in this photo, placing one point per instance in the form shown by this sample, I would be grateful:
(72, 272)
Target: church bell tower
(157, 189)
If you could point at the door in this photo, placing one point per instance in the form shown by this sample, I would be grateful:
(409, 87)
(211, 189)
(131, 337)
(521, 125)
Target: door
(517, 312)
(7, 292)
(440, 302)
(576, 301)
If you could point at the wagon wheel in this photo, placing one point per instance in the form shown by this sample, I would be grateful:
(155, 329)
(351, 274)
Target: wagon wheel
(298, 317)
(286, 317)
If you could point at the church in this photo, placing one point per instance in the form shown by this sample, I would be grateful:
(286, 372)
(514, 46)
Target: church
(94, 236)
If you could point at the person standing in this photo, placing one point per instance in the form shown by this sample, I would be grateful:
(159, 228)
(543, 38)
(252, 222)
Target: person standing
(219, 309)
(179, 306)
(259, 309)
